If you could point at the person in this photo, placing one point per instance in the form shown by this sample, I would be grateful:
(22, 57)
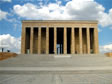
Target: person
(2, 49)
(8, 50)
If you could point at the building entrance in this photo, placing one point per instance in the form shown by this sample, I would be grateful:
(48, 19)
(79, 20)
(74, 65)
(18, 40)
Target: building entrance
(60, 40)
(59, 49)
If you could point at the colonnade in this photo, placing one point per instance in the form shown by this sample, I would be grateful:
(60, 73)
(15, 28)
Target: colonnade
(72, 44)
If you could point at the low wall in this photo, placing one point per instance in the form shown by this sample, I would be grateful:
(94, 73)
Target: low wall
(5, 55)
(109, 54)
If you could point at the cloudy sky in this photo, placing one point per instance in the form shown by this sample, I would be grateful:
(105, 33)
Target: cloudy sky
(13, 11)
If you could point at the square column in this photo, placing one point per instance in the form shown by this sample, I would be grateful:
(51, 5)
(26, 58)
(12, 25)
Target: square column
(31, 41)
(72, 41)
(55, 40)
(65, 40)
(47, 40)
(80, 40)
(96, 48)
(88, 40)
(39, 40)
(23, 40)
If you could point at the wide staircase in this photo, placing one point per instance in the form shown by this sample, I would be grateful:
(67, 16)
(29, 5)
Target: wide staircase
(34, 62)
(56, 69)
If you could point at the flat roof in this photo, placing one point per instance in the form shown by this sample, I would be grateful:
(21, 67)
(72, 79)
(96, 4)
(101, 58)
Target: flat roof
(88, 21)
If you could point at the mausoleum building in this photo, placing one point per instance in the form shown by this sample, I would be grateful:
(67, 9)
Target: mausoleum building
(59, 37)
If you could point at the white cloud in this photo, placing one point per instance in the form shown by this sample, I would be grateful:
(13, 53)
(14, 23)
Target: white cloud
(12, 42)
(6, 0)
(72, 10)
(3, 14)
(106, 18)
(106, 48)
(30, 11)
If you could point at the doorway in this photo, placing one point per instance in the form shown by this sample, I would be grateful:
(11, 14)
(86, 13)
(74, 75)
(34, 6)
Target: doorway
(60, 40)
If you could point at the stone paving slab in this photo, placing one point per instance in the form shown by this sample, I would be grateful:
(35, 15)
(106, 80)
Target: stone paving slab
(74, 70)
(54, 68)
(56, 79)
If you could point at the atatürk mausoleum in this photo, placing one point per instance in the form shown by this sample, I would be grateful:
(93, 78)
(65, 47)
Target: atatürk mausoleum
(59, 37)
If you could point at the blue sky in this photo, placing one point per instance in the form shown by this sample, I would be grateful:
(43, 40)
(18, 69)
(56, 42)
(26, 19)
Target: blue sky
(13, 11)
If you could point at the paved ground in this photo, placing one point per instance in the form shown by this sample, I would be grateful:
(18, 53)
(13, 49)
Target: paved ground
(66, 69)
(56, 78)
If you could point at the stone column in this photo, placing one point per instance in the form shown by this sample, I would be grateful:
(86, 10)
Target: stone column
(72, 41)
(31, 41)
(65, 40)
(39, 40)
(47, 40)
(88, 39)
(96, 41)
(55, 40)
(23, 40)
(80, 40)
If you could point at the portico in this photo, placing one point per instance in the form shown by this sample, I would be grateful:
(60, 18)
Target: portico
(59, 37)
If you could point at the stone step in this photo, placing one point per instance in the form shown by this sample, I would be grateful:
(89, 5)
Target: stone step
(34, 60)
(56, 69)
(61, 55)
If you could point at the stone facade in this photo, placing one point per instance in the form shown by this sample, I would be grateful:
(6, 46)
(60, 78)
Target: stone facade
(59, 37)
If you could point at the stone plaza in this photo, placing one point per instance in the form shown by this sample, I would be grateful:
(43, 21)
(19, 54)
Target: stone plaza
(56, 69)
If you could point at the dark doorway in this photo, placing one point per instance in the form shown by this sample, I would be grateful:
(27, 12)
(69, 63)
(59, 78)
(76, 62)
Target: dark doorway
(35, 40)
(60, 40)
(76, 40)
(51, 40)
(91, 40)
(27, 41)
(84, 41)
(68, 40)
(43, 40)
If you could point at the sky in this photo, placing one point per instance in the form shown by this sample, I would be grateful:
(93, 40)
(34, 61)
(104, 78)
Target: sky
(12, 12)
